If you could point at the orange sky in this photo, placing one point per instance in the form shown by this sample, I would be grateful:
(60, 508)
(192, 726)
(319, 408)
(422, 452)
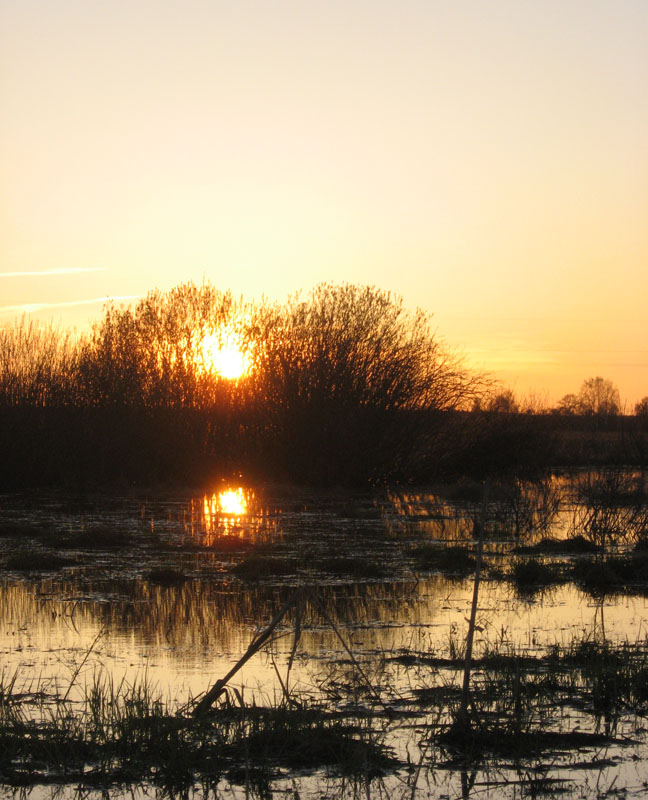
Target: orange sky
(487, 161)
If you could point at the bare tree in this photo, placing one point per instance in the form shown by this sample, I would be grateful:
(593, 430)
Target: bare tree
(599, 396)
(348, 377)
(641, 408)
(568, 404)
(149, 355)
(503, 402)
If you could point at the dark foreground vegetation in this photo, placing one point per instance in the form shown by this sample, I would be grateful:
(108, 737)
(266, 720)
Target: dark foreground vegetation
(342, 387)
(128, 734)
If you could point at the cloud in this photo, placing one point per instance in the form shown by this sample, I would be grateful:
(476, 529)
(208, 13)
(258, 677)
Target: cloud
(61, 271)
(30, 308)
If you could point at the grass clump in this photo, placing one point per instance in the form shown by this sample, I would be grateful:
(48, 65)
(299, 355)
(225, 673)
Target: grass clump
(598, 577)
(166, 576)
(99, 538)
(626, 574)
(258, 566)
(530, 575)
(572, 545)
(307, 739)
(24, 530)
(128, 733)
(517, 702)
(36, 561)
(454, 560)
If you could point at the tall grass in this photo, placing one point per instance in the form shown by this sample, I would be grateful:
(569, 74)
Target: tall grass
(39, 365)
(129, 733)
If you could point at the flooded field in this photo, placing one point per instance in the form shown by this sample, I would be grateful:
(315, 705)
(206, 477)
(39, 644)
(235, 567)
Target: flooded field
(168, 591)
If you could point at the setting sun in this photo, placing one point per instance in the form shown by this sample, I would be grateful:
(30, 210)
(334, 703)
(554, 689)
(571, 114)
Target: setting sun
(223, 355)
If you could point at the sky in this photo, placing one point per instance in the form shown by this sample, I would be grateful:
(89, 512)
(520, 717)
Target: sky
(486, 161)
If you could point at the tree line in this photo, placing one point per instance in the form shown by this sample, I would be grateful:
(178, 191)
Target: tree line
(342, 385)
(597, 397)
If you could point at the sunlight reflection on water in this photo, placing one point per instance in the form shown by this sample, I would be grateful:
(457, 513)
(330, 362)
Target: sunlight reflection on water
(105, 611)
(223, 508)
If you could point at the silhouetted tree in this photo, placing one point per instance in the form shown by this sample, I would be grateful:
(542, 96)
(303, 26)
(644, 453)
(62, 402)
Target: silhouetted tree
(345, 377)
(503, 403)
(599, 396)
(150, 355)
(569, 404)
(345, 385)
(641, 408)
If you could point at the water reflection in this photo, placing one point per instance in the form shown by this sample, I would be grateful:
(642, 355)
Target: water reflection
(222, 510)
(231, 501)
(229, 514)
(186, 635)
(201, 627)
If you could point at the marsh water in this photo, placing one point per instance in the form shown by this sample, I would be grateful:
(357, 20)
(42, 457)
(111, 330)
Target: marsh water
(171, 588)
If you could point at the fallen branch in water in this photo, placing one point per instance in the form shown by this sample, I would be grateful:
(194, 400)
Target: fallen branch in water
(210, 697)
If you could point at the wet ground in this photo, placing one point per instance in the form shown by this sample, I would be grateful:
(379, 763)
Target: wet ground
(173, 587)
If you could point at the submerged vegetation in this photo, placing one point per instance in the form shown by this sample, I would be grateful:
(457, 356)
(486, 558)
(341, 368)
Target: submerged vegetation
(128, 733)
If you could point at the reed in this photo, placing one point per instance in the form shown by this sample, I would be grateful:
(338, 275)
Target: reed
(128, 733)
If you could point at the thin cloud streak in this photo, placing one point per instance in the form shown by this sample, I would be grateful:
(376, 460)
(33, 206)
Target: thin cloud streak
(30, 308)
(45, 272)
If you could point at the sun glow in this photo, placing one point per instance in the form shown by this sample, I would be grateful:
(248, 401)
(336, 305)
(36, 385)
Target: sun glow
(222, 353)
(232, 502)
(222, 510)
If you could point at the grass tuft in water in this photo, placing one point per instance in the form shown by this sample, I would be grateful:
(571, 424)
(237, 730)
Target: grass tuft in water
(166, 576)
(33, 560)
(259, 565)
(531, 575)
(454, 560)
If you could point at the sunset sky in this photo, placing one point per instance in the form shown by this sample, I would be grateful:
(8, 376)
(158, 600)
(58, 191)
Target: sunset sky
(488, 161)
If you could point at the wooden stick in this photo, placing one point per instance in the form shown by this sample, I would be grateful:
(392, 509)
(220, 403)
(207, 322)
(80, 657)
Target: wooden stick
(210, 697)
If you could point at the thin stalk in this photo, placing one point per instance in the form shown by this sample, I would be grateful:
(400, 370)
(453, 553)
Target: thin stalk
(465, 694)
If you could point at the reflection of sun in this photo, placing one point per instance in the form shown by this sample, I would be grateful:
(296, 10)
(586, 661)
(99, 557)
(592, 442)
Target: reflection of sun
(232, 502)
(222, 354)
(220, 509)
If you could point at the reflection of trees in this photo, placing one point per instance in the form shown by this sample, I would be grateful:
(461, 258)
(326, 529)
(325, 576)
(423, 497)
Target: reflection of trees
(213, 616)
(518, 508)
(611, 507)
(527, 507)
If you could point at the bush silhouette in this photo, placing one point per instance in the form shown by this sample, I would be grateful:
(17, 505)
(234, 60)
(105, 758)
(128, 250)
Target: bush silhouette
(150, 355)
(345, 385)
(346, 380)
